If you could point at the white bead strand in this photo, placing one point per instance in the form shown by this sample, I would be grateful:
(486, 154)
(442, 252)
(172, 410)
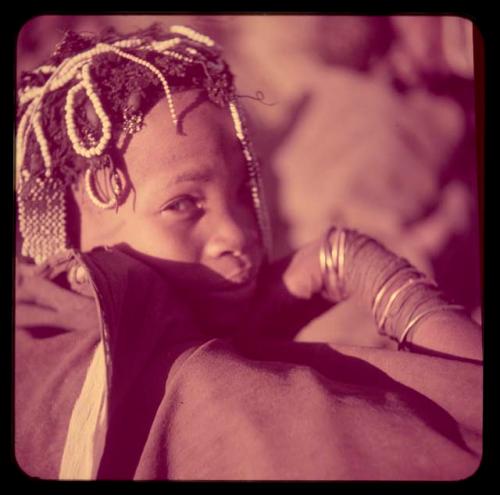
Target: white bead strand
(161, 46)
(69, 110)
(155, 71)
(254, 173)
(69, 118)
(101, 115)
(178, 56)
(42, 143)
(192, 35)
(21, 143)
(130, 43)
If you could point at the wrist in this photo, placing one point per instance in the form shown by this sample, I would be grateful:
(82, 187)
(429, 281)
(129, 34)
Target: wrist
(398, 295)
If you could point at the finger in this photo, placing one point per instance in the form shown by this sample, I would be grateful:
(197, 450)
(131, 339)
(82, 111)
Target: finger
(30, 290)
(28, 316)
(22, 271)
(45, 292)
(84, 318)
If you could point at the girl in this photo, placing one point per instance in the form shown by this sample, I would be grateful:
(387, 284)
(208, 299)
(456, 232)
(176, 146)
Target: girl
(148, 329)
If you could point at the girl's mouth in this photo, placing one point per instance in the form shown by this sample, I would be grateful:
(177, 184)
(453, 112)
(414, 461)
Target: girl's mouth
(239, 283)
(241, 277)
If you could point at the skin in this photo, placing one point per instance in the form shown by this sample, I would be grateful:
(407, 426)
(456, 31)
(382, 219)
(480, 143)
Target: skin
(189, 209)
(190, 200)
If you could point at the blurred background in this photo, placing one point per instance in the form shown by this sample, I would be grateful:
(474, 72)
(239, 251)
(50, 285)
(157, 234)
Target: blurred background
(367, 122)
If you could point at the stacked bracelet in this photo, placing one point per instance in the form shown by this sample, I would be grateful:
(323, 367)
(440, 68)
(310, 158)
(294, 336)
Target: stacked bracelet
(407, 288)
(420, 316)
(400, 296)
(379, 295)
(332, 262)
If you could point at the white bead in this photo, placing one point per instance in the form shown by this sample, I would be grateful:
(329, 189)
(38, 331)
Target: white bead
(77, 68)
(80, 274)
(42, 142)
(178, 56)
(192, 34)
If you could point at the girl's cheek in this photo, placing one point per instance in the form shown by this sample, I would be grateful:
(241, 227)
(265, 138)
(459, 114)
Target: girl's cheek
(181, 244)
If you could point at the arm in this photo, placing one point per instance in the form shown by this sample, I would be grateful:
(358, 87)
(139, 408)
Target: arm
(448, 333)
(407, 306)
(42, 303)
(295, 288)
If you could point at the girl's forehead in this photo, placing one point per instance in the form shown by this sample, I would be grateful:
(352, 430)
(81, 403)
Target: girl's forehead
(206, 138)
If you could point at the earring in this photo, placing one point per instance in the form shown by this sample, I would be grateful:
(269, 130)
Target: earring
(116, 180)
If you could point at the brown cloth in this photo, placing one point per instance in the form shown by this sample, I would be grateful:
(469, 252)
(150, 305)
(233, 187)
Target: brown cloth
(183, 406)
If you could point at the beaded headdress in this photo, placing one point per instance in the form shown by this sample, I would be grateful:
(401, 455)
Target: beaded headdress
(56, 140)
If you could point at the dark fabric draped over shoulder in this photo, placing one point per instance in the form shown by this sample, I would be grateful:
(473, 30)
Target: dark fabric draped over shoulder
(164, 401)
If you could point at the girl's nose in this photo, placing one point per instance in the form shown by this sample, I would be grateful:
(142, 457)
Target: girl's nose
(230, 237)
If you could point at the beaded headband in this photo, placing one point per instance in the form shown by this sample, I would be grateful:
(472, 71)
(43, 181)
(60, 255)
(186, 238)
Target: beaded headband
(53, 147)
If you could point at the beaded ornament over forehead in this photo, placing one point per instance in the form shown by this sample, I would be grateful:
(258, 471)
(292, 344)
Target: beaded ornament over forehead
(74, 111)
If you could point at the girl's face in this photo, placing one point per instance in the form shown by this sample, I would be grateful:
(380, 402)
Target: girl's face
(190, 200)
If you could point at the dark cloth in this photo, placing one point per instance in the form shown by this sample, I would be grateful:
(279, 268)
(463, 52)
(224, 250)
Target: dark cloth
(181, 405)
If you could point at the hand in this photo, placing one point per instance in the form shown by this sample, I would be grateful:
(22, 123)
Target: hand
(289, 295)
(302, 277)
(42, 303)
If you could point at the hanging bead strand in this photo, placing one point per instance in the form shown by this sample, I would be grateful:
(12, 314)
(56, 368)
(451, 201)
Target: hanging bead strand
(158, 74)
(254, 173)
(192, 35)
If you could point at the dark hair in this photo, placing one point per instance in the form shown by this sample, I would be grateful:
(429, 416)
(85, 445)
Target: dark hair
(122, 86)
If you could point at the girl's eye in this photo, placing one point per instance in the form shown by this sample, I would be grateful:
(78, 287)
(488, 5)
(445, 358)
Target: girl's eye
(186, 205)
